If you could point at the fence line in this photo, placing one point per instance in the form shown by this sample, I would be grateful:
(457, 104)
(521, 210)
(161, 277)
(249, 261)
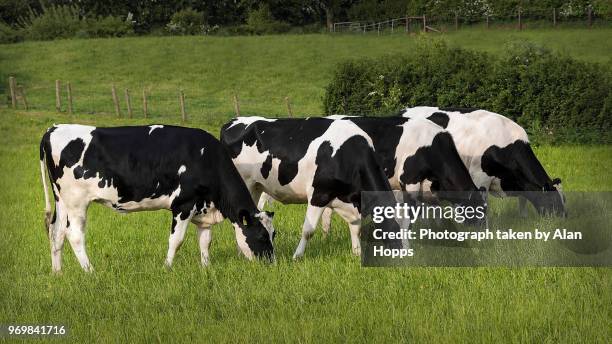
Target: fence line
(67, 97)
(519, 18)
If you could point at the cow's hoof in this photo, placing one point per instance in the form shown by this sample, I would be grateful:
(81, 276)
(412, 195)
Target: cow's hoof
(297, 257)
(357, 251)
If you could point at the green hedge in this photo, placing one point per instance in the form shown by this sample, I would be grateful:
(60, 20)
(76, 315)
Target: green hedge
(557, 98)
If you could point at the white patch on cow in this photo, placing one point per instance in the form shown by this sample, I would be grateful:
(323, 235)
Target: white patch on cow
(249, 120)
(63, 134)
(182, 169)
(153, 127)
(242, 243)
(202, 151)
(472, 133)
(157, 186)
(338, 116)
(416, 133)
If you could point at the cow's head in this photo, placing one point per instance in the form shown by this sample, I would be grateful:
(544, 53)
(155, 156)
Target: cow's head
(255, 234)
(549, 201)
(521, 174)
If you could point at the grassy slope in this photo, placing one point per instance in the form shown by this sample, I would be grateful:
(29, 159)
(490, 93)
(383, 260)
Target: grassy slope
(326, 296)
(263, 70)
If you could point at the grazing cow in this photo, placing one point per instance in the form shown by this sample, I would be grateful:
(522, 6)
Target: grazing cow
(147, 168)
(318, 161)
(497, 153)
(415, 150)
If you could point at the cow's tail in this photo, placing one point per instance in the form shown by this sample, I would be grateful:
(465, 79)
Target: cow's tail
(43, 176)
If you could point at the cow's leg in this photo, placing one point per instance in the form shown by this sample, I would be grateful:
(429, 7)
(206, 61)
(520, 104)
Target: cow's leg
(57, 233)
(204, 238)
(351, 215)
(179, 227)
(326, 221)
(313, 214)
(76, 236)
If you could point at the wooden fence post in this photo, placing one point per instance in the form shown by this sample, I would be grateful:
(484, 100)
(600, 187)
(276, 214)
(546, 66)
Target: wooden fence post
(13, 92)
(407, 24)
(58, 99)
(520, 24)
(69, 91)
(378, 30)
(128, 103)
(23, 96)
(554, 17)
(391, 26)
(289, 111)
(116, 101)
(456, 21)
(487, 21)
(236, 105)
(144, 102)
(182, 103)
(424, 24)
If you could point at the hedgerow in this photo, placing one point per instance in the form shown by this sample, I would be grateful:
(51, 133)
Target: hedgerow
(557, 98)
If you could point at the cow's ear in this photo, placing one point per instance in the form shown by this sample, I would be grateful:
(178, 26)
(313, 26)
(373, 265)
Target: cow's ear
(556, 181)
(270, 213)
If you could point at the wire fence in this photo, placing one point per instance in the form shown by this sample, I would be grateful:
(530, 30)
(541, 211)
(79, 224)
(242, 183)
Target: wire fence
(148, 102)
(519, 19)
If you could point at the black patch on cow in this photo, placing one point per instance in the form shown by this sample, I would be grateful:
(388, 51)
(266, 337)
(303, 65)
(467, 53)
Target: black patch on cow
(67, 223)
(286, 139)
(354, 168)
(78, 172)
(173, 226)
(440, 163)
(385, 133)
(71, 154)
(266, 167)
(440, 118)
(458, 109)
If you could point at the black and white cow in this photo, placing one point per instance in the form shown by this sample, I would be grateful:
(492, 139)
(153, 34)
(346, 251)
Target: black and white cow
(497, 153)
(147, 168)
(415, 150)
(318, 161)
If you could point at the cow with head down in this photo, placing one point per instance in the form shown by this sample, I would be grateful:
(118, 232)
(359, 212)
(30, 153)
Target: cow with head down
(317, 161)
(128, 169)
(497, 153)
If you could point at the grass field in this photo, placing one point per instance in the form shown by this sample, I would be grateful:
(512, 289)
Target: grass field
(262, 70)
(327, 296)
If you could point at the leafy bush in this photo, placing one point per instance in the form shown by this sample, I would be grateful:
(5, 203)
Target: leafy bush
(54, 22)
(8, 34)
(553, 96)
(108, 27)
(187, 22)
(260, 21)
(66, 22)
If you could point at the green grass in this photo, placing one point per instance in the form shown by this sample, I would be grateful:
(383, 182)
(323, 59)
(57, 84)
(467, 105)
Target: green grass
(326, 297)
